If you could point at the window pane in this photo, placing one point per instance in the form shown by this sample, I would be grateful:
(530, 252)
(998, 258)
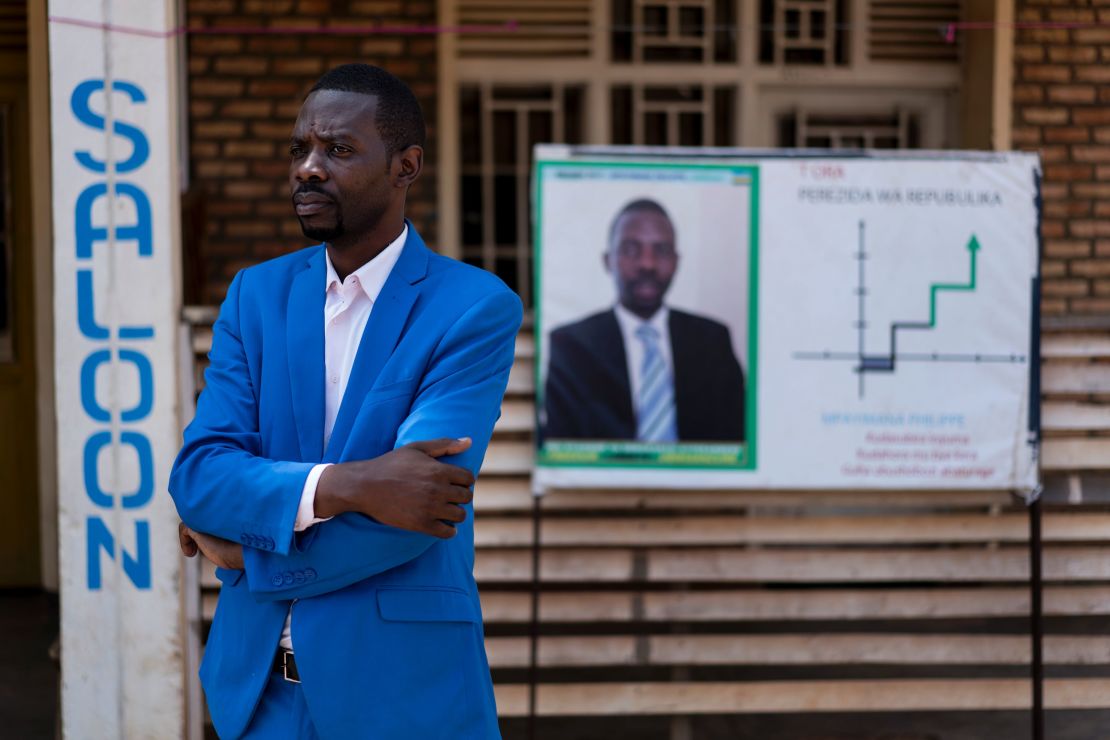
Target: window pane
(506, 269)
(724, 116)
(690, 129)
(504, 202)
(540, 128)
(788, 131)
(522, 93)
(724, 35)
(504, 138)
(470, 125)
(471, 209)
(655, 20)
(655, 129)
(621, 115)
(677, 94)
(767, 31)
(621, 36)
(573, 111)
(691, 22)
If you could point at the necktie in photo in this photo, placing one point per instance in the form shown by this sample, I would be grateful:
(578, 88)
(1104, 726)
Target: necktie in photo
(655, 417)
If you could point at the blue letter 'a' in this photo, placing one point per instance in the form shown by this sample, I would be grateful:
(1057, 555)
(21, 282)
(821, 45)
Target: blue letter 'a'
(87, 234)
(137, 568)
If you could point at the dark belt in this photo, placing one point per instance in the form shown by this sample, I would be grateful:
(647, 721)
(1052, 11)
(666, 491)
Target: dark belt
(286, 666)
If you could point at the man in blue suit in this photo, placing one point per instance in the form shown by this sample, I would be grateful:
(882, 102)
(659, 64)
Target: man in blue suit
(351, 393)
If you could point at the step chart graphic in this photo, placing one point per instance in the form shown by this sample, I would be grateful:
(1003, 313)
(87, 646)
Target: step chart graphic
(897, 351)
(865, 362)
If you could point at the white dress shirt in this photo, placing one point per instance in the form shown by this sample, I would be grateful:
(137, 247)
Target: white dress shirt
(634, 346)
(347, 307)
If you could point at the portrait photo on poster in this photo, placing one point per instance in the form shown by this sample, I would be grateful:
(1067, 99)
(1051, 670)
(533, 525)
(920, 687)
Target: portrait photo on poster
(645, 314)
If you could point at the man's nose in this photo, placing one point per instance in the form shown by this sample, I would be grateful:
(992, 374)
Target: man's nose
(311, 167)
(647, 259)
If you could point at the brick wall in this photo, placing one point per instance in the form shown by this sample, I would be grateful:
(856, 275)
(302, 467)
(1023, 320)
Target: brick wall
(244, 94)
(1062, 109)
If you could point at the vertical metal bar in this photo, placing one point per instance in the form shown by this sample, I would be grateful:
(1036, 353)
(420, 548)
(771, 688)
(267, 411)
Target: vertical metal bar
(1036, 618)
(1035, 577)
(534, 627)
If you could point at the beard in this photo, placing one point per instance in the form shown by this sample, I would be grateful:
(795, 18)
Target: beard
(323, 232)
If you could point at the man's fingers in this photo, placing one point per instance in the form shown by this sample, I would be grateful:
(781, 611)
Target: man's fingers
(457, 476)
(186, 541)
(452, 513)
(460, 495)
(443, 531)
(442, 446)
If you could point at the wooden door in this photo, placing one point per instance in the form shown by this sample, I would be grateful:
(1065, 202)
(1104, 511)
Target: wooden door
(20, 558)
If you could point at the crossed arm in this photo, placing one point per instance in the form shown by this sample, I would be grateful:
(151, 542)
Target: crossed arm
(388, 509)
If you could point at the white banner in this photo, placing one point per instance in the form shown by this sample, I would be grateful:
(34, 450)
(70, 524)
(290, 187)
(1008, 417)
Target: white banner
(819, 321)
(117, 303)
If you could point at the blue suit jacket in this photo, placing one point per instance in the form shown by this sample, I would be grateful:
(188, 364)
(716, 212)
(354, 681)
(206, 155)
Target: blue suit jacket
(387, 625)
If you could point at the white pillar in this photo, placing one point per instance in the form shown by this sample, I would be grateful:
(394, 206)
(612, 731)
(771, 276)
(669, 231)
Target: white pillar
(114, 125)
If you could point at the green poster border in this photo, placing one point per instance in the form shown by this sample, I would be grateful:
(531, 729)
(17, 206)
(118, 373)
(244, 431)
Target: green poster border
(748, 453)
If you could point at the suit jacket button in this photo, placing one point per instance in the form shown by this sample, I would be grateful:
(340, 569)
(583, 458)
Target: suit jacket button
(269, 543)
(276, 580)
(287, 578)
(298, 576)
(245, 539)
(310, 574)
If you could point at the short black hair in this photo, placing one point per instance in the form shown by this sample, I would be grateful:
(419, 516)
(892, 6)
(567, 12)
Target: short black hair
(398, 116)
(640, 205)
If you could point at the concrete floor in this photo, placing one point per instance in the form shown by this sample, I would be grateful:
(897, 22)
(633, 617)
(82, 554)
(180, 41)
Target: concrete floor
(28, 677)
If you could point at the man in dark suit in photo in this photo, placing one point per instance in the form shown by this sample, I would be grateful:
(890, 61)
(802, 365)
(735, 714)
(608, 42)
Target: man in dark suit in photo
(642, 370)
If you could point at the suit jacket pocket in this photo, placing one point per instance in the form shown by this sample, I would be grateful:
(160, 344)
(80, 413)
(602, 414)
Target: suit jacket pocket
(426, 605)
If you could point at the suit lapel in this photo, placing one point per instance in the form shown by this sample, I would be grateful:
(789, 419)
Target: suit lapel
(380, 337)
(685, 386)
(305, 354)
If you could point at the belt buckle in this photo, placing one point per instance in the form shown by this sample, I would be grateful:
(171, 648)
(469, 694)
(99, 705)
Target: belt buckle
(285, 655)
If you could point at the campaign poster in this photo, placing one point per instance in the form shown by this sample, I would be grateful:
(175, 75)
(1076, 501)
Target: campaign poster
(657, 247)
(718, 319)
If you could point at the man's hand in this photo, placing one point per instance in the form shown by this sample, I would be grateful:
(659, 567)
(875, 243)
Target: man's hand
(406, 488)
(222, 553)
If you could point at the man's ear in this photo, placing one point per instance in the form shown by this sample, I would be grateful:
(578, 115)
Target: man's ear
(605, 262)
(407, 165)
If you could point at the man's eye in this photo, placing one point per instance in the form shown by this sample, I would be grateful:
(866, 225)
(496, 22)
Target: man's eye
(296, 151)
(339, 149)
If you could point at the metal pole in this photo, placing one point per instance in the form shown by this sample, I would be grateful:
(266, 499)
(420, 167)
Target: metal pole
(534, 627)
(1036, 617)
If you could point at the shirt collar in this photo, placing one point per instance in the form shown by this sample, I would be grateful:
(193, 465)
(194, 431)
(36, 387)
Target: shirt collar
(630, 321)
(372, 275)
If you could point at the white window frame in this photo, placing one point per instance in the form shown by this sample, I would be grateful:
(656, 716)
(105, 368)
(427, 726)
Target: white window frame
(762, 91)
